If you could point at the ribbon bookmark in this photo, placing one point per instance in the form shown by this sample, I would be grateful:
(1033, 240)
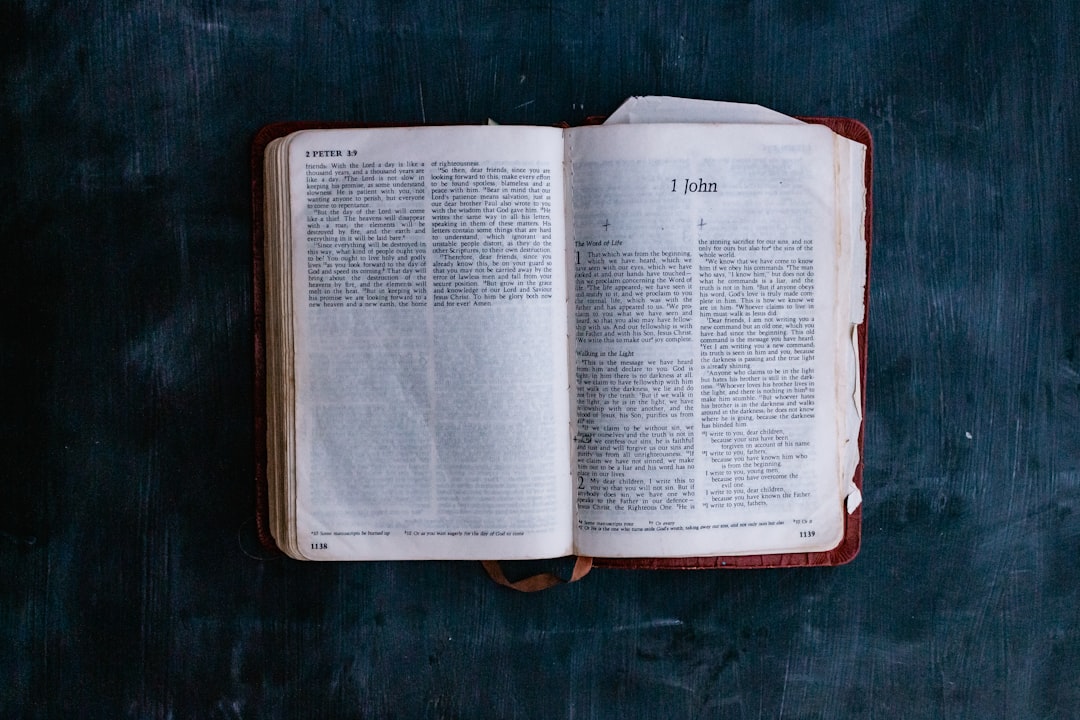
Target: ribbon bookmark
(541, 581)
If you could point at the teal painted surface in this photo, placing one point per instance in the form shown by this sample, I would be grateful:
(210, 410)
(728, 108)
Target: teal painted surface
(127, 582)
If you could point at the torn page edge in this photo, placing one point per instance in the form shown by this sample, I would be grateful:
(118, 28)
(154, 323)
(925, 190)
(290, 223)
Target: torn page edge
(853, 423)
(857, 190)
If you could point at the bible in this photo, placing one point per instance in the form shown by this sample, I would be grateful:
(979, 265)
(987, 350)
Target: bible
(641, 340)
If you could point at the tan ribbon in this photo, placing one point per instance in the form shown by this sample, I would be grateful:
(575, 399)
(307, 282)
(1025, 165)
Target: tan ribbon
(541, 581)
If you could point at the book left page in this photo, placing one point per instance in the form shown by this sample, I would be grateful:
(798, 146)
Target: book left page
(430, 343)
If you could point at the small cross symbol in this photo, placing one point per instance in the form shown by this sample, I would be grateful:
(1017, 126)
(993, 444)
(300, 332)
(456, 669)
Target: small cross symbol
(701, 223)
(606, 225)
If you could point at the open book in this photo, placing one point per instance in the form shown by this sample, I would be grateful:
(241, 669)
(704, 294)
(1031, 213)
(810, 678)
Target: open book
(641, 339)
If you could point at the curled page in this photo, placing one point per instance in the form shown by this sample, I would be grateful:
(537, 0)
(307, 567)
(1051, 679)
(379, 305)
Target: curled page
(663, 109)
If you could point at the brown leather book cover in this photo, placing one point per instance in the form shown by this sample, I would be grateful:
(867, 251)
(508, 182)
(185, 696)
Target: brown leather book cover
(843, 553)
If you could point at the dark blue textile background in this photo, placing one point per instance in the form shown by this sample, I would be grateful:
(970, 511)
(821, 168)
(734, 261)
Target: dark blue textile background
(128, 586)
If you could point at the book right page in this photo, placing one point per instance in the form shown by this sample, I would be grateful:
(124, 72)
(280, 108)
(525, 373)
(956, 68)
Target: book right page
(710, 339)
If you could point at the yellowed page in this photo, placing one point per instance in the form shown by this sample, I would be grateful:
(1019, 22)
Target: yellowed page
(429, 322)
(705, 368)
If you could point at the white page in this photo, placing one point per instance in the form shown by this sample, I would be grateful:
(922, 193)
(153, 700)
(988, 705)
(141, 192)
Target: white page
(431, 407)
(666, 109)
(659, 212)
(851, 195)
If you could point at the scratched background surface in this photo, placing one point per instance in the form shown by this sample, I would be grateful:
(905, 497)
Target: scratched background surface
(125, 414)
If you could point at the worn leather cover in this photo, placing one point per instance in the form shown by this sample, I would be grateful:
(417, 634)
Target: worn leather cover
(842, 553)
